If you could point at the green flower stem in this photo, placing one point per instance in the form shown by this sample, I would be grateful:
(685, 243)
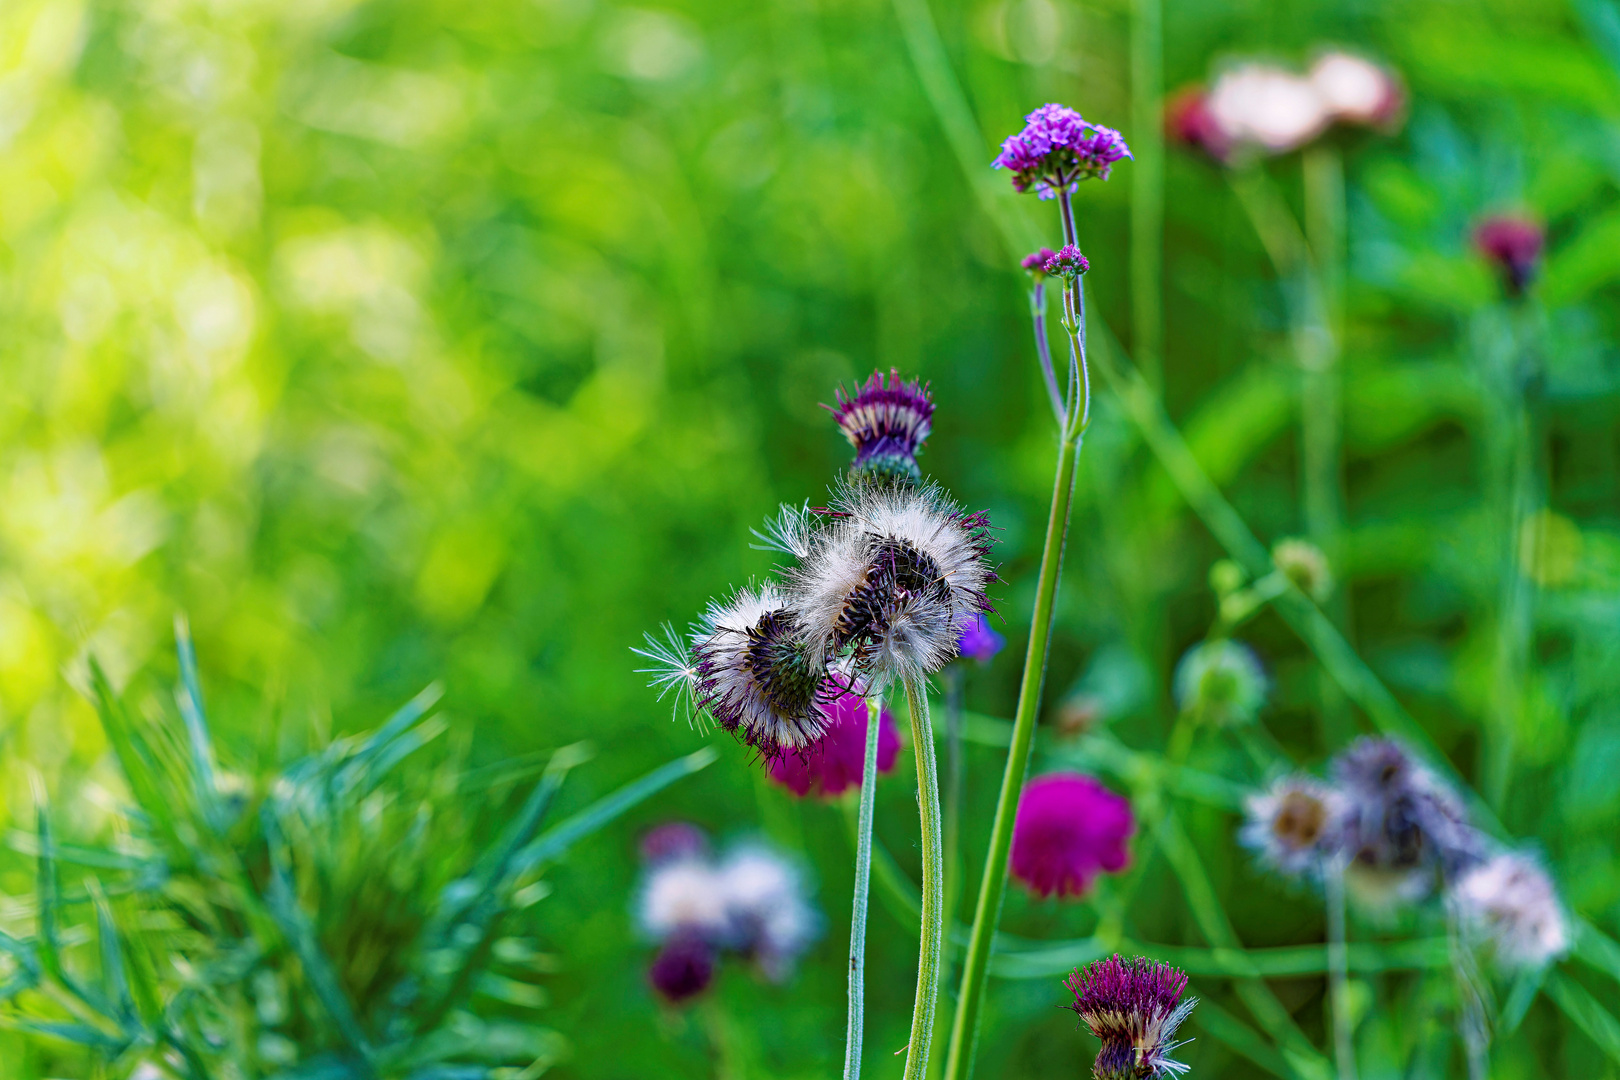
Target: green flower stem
(863, 883)
(932, 946)
(1338, 962)
(976, 965)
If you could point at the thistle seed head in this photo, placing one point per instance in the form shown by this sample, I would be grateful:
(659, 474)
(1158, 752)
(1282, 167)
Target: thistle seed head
(893, 579)
(758, 674)
(1221, 682)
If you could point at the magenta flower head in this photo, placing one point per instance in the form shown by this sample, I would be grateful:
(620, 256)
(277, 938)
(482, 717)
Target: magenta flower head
(682, 969)
(1067, 263)
(1069, 827)
(979, 640)
(1514, 245)
(833, 764)
(1057, 149)
(887, 424)
(1188, 121)
(1134, 1007)
(1035, 262)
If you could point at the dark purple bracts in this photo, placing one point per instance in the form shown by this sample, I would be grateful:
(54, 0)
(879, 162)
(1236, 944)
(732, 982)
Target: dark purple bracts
(886, 422)
(1134, 1007)
(683, 968)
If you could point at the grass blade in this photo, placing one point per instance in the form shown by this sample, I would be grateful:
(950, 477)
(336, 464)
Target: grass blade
(1580, 1006)
(558, 839)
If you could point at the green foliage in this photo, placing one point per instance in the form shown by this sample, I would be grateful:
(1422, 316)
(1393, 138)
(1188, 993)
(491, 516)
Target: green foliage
(404, 339)
(340, 917)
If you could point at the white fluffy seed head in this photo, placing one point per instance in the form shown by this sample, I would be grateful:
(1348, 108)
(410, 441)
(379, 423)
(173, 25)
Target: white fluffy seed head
(1294, 825)
(1511, 903)
(1355, 89)
(684, 896)
(756, 674)
(894, 578)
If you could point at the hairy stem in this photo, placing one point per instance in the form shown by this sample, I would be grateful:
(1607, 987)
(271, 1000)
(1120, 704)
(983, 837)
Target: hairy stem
(1344, 1051)
(932, 947)
(863, 883)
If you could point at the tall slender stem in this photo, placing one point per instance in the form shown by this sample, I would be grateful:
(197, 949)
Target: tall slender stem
(932, 946)
(976, 964)
(1147, 190)
(863, 884)
(1344, 1050)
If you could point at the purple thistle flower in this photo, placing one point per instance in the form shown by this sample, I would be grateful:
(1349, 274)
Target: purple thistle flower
(979, 640)
(682, 969)
(674, 840)
(1035, 262)
(1514, 245)
(1134, 1007)
(833, 763)
(1068, 263)
(886, 423)
(1057, 149)
(1069, 827)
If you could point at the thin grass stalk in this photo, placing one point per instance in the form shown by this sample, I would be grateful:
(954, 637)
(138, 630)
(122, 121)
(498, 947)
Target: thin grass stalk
(954, 691)
(1147, 189)
(863, 885)
(932, 945)
(1338, 963)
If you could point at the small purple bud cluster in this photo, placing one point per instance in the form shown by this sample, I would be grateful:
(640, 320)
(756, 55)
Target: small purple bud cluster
(979, 640)
(1067, 263)
(697, 909)
(1134, 1008)
(1068, 829)
(1057, 149)
(1399, 833)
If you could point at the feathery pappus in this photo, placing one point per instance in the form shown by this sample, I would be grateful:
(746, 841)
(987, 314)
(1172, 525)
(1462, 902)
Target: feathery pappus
(750, 667)
(892, 579)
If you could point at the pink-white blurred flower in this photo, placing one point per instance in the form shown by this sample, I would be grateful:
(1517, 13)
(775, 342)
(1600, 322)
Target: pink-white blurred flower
(1358, 91)
(1267, 107)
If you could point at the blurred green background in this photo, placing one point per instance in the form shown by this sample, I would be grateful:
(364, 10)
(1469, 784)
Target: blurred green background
(413, 340)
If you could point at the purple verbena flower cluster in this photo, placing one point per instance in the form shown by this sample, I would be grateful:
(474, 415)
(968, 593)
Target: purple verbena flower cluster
(1134, 1007)
(1057, 149)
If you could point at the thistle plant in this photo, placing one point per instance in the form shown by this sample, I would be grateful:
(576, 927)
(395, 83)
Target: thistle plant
(1054, 152)
(882, 584)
